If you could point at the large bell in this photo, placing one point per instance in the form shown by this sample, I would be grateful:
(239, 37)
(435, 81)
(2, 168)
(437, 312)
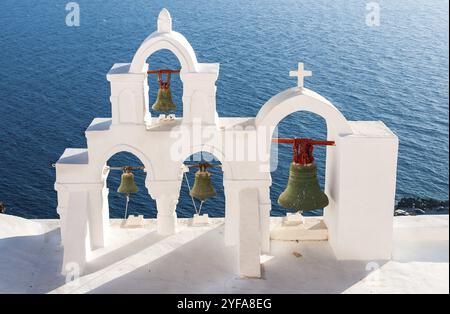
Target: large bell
(203, 188)
(303, 192)
(127, 184)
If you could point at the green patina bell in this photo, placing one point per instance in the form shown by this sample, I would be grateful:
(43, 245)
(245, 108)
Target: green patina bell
(203, 188)
(127, 184)
(164, 102)
(303, 192)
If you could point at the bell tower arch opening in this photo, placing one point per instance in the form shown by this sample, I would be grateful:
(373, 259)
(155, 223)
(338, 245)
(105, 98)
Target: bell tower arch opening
(164, 60)
(165, 38)
(300, 99)
(197, 84)
(194, 187)
(140, 202)
(300, 124)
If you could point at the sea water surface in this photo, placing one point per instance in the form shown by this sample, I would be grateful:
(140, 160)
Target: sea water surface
(52, 82)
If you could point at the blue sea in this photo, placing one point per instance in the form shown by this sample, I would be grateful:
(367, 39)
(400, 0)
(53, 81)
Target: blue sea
(52, 82)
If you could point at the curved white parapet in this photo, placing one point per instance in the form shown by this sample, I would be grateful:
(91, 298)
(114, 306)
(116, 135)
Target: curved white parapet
(111, 150)
(302, 99)
(165, 38)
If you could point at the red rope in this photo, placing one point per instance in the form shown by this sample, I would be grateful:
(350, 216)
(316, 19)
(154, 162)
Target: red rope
(303, 148)
(164, 84)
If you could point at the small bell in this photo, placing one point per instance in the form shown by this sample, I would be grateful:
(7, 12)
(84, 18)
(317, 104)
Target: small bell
(203, 188)
(127, 184)
(303, 192)
(164, 102)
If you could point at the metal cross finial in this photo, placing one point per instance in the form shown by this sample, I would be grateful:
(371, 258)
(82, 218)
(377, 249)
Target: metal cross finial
(301, 73)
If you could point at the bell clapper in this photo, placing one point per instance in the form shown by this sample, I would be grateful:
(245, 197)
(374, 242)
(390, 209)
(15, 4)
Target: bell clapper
(126, 206)
(200, 208)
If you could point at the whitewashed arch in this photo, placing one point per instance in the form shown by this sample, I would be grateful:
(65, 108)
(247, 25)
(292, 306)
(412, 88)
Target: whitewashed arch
(295, 99)
(128, 149)
(302, 99)
(172, 41)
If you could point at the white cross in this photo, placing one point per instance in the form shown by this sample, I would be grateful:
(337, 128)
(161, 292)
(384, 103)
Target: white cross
(301, 73)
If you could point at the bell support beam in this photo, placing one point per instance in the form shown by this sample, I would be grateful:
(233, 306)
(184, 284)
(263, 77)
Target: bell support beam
(162, 71)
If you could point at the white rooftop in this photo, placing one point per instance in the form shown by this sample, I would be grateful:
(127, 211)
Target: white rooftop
(195, 260)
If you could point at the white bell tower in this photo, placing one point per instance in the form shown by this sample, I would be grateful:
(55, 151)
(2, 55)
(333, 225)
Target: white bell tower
(360, 169)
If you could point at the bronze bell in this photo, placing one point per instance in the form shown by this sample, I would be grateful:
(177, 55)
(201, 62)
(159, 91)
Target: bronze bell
(303, 192)
(203, 188)
(164, 102)
(127, 184)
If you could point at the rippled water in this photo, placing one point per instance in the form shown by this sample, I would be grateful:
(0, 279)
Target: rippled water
(53, 81)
